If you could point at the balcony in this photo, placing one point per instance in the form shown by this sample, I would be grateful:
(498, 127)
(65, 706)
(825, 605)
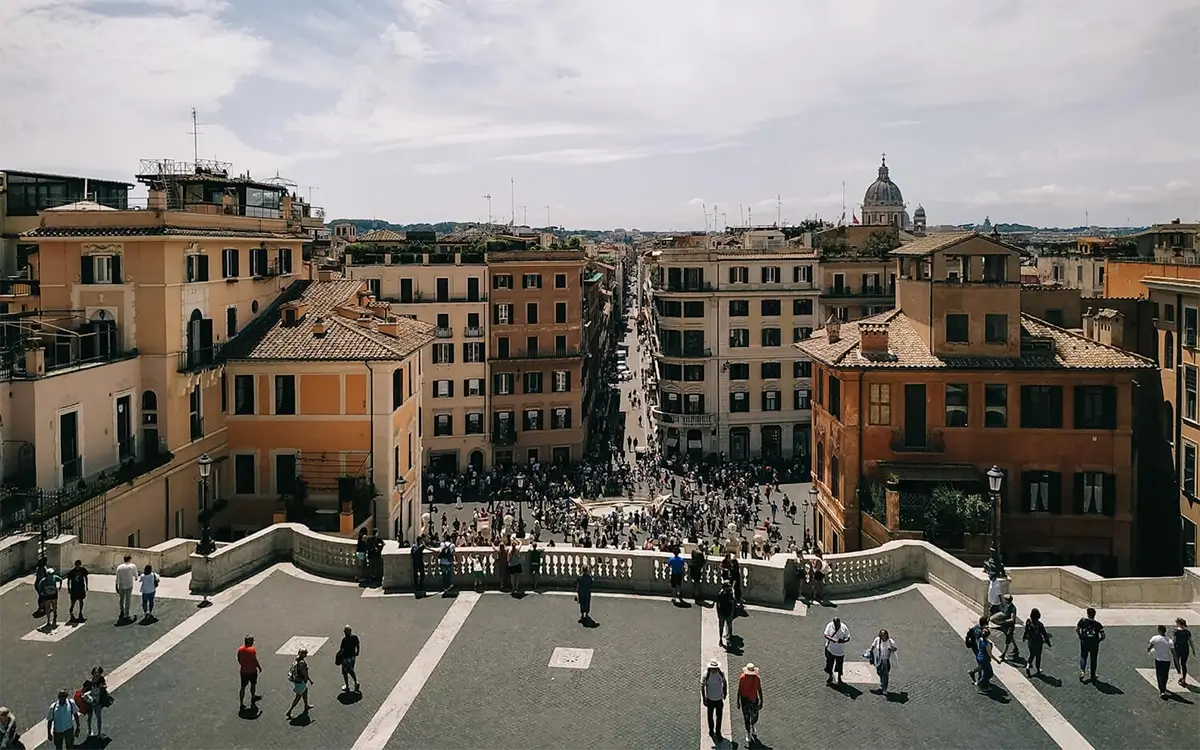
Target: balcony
(40, 348)
(865, 292)
(568, 353)
(929, 441)
(473, 333)
(19, 287)
(683, 420)
(680, 352)
(703, 286)
(195, 360)
(417, 298)
(444, 333)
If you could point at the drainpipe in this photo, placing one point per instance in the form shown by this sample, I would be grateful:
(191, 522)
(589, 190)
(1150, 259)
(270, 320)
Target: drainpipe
(167, 508)
(371, 433)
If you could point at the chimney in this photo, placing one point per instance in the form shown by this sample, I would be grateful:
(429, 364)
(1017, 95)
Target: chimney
(325, 274)
(1089, 325)
(157, 198)
(833, 329)
(366, 321)
(873, 337)
(319, 326)
(285, 206)
(293, 313)
(35, 359)
(380, 309)
(391, 327)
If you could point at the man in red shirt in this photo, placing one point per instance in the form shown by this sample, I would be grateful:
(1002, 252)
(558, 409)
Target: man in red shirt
(249, 668)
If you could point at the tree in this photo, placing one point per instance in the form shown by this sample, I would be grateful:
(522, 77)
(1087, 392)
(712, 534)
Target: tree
(880, 244)
(950, 513)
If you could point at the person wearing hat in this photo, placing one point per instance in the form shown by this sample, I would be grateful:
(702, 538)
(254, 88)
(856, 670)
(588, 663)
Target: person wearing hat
(750, 701)
(713, 689)
(62, 721)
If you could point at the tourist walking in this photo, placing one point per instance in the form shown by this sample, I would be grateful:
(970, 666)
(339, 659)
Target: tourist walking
(971, 640)
(95, 697)
(882, 656)
(446, 564)
(48, 597)
(837, 635)
(1037, 637)
(696, 571)
(819, 566)
(726, 608)
(248, 670)
(1183, 648)
(39, 573)
(347, 655)
(1005, 621)
(149, 584)
(713, 689)
(418, 564)
(1162, 649)
(77, 588)
(750, 701)
(126, 576)
(1090, 633)
(984, 656)
(62, 721)
(300, 678)
(583, 594)
(676, 564)
(10, 734)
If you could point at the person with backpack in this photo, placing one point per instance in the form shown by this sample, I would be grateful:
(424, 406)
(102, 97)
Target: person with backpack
(39, 573)
(418, 564)
(971, 641)
(984, 656)
(1090, 633)
(725, 606)
(446, 564)
(1036, 635)
(713, 689)
(48, 596)
(299, 677)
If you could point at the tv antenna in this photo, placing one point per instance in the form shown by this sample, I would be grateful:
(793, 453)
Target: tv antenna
(512, 201)
(488, 198)
(548, 224)
(310, 189)
(525, 212)
(778, 210)
(195, 133)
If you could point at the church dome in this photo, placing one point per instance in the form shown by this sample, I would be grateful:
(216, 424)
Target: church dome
(920, 210)
(883, 192)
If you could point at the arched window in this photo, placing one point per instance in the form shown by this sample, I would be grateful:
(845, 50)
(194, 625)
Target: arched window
(149, 401)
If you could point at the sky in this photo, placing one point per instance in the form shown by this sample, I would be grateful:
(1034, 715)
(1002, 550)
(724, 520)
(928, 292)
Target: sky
(654, 114)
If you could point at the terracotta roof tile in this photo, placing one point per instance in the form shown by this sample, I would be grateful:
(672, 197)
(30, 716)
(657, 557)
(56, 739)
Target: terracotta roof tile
(160, 231)
(343, 339)
(931, 244)
(906, 350)
(382, 235)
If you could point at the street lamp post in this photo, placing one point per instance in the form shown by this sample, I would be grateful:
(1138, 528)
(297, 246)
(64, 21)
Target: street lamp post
(400, 482)
(808, 502)
(521, 505)
(995, 479)
(207, 546)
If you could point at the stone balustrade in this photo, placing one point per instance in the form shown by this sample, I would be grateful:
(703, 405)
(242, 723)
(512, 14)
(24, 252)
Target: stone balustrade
(770, 582)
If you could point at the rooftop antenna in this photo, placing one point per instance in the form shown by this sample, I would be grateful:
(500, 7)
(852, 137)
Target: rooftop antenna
(488, 198)
(750, 216)
(742, 214)
(843, 221)
(195, 134)
(778, 210)
(704, 210)
(512, 200)
(548, 224)
(310, 189)
(525, 213)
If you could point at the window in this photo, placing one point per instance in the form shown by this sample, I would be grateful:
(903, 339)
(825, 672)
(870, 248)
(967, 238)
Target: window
(258, 261)
(694, 404)
(397, 388)
(1169, 313)
(502, 347)
(285, 473)
(739, 308)
(771, 308)
(560, 418)
(474, 423)
(229, 263)
(243, 394)
(739, 338)
(443, 389)
(801, 274)
(1041, 491)
(562, 381)
(244, 474)
(502, 281)
(224, 393)
(231, 326)
(739, 275)
(693, 309)
(502, 313)
(771, 401)
(1187, 482)
(285, 394)
(502, 384)
(739, 401)
(1094, 493)
(801, 400)
(532, 382)
(1095, 407)
(1168, 358)
(1189, 327)
(802, 306)
(560, 281)
(819, 466)
(839, 284)
(995, 269)
(531, 313)
(560, 312)
(835, 398)
(473, 386)
(1041, 406)
(802, 369)
(473, 352)
(443, 425)
(284, 259)
(739, 371)
(443, 354)
(100, 269)
(671, 371)
(995, 405)
(835, 480)
(1189, 392)
(995, 328)
(956, 405)
(693, 373)
(196, 268)
(770, 274)
(770, 370)
(531, 281)
(532, 420)
(772, 337)
(958, 328)
(879, 404)
(799, 333)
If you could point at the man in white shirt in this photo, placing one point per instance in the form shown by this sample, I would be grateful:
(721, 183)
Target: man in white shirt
(127, 573)
(995, 592)
(1163, 649)
(837, 635)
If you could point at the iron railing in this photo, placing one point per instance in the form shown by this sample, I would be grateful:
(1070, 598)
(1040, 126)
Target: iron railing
(929, 441)
(192, 360)
(19, 287)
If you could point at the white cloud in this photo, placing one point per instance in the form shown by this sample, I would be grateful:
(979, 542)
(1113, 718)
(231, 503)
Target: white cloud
(438, 168)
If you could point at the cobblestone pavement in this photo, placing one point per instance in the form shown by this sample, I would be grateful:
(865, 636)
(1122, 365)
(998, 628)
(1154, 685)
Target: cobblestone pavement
(489, 683)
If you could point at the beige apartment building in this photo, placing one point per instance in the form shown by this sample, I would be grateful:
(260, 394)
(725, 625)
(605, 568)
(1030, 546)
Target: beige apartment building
(112, 387)
(727, 310)
(442, 282)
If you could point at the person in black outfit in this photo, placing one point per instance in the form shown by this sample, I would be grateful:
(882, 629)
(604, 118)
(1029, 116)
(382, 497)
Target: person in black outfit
(725, 609)
(1036, 635)
(1090, 633)
(375, 558)
(696, 571)
(347, 655)
(418, 564)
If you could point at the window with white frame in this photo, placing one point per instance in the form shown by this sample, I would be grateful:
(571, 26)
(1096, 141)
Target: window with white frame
(503, 313)
(474, 423)
(561, 418)
(503, 385)
(103, 269)
(770, 274)
(443, 425)
(443, 389)
(562, 381)
(474, 386)
(1093, 491)
(1189, 395)
(473, 352)
(443, 354)
(739, 275)
(1187, 470)
(533, 419)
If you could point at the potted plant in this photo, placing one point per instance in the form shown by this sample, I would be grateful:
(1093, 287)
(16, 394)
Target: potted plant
(893, 481)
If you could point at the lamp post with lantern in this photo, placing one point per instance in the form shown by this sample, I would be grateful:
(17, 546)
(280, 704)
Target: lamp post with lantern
(207, 546)
(521, 505)
(995, 478)
(808, 503)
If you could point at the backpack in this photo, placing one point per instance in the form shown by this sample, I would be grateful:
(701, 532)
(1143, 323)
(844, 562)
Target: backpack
(48, 586)
(970, 640)
(293, 673)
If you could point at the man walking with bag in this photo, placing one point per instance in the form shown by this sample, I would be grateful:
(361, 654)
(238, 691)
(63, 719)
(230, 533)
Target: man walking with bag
(837, 635)
(713, 689)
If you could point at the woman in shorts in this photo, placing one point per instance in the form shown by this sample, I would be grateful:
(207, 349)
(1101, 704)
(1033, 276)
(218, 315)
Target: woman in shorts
(514, 566)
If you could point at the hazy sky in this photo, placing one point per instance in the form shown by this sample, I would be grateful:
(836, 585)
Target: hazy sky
(627, 113)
